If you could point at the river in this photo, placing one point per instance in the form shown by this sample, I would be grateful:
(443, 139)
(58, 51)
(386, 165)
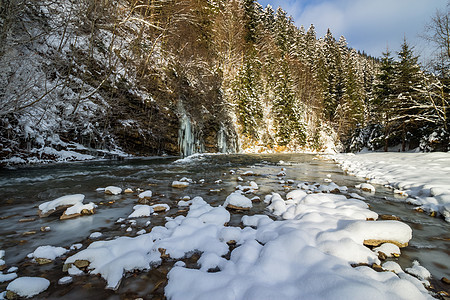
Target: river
(24, 188)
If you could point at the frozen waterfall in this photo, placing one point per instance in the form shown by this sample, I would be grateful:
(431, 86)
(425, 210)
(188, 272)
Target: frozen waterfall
(188, 139)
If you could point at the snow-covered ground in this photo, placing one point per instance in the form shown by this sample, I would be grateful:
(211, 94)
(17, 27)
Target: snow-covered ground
(422, 179)
(316, 250)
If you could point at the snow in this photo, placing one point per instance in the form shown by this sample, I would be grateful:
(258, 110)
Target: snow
(95, 235)
(28, 286)
(147, 210)
(388, 249)
(7, 277)
(145, 194)
(418, 271)
(180, 184)
(238, 200)
(61, 201)
(77, 208)
(366, 187)
(113, 190)
(141, 211)
(48, 252)
(65, 280)
(251, 188)
(74, 271)
(305, 254)
(76, 246)
(392, 266)
(421, 176)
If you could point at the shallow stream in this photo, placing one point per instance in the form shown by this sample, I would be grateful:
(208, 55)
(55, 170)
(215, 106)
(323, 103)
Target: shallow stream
(23, 189)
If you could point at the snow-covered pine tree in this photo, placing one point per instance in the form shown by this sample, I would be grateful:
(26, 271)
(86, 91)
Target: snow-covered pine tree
(384, 91)
(408, 77)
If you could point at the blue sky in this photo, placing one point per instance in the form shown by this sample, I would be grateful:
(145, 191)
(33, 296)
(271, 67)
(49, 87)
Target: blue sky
(367, 25)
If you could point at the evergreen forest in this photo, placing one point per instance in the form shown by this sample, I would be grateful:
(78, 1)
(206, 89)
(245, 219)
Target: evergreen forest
(152, 77)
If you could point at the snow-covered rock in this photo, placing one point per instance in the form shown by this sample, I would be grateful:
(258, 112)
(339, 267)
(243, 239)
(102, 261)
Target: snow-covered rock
(113, 190)
(95, 235)
(28, 286)
(237, 201)
(59, 204)
(65, 280)
(180, 184)
(145, 195)
(418, 271)
(7, 277)
(388, 249)
(77, 210)
(366, 187)
(46, 254)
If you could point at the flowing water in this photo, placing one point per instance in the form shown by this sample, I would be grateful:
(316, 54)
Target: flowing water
(23, 189)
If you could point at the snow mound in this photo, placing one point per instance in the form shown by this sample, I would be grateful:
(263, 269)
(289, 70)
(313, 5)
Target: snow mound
(28, 286)
(7, 277)
(418, 271)
(237, 201)
(48, 252)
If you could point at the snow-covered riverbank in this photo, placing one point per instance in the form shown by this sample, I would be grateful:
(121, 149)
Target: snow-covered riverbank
(422, 179)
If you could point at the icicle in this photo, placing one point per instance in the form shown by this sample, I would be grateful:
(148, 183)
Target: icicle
(225, 142)
(188, 138)
(222, 140)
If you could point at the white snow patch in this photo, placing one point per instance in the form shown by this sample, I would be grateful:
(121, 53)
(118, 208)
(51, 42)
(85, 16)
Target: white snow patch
(48, 252)
(65, 280)
(28, 286)
(95, 235)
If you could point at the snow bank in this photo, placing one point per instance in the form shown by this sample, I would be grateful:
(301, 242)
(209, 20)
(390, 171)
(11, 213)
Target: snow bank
(422, 176)
(28, 286)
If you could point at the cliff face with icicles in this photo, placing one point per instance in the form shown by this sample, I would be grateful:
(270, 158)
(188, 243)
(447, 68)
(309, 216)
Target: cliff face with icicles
(75, 85)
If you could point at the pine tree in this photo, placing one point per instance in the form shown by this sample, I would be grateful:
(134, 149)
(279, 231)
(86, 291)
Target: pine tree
(247, 101)
(385, 93)
(287, 110)
(408, 78)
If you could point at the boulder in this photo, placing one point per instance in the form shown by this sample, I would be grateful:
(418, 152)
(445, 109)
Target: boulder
(376, 243)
